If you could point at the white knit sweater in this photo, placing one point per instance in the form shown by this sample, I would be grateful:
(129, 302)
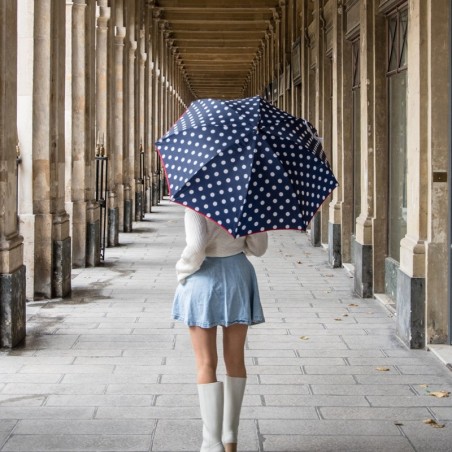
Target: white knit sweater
(206, 238)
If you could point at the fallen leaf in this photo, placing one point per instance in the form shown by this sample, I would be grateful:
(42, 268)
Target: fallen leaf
(337, 318)
(433, 423)
(353, 304)
(439, 394)
(298, 262)
(398, 423)
(304, 338)
(423, 386)
(345, 315)
(383, 369)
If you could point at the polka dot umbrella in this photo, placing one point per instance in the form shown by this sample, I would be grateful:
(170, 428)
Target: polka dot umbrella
(246, 165)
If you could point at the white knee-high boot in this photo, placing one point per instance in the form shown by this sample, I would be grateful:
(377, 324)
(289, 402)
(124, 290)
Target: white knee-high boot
(234, 388)
(211, 396)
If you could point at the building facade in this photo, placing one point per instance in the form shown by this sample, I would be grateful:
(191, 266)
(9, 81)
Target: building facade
(87, 87)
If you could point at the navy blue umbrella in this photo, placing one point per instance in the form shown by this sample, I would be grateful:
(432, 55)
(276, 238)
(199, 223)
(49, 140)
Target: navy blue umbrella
(247, 165)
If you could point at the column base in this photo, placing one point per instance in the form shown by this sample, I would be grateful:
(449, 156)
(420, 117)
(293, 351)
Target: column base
(363, 270)
(61, 281)
(139, 204)
(334, 245)
(391, 277)
(410, 306)
(113, 226)
(148, 201)
(93, 244)
(316, 230)
(12, 308)
(128, 215)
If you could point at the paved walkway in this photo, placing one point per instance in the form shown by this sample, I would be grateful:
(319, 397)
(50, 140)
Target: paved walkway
(107, 370)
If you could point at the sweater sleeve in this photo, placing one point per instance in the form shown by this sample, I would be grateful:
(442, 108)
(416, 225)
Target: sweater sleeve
(194, 252)
(256, 244)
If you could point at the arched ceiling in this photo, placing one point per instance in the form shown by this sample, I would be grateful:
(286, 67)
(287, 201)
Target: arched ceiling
(217, 41)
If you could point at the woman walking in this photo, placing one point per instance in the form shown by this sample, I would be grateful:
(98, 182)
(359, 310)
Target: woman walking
(218, 286)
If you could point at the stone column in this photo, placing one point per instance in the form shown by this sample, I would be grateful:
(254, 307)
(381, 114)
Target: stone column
(85, 231)
(118, 111)
(437, 296)
(12, 270)
(102, 120)
(339, 231)
(156, 102)
(139, 162)
(92, 206)
(52, 240)
(149, 135)
(304, 57)
(25, 17)
(129, 160)
(364, 232)
(277, 55)
(411, 274)
(282, 46)
(317, 120)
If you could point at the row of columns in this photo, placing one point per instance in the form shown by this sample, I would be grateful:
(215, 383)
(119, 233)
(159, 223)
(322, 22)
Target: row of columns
(81, 82)
(326, 30)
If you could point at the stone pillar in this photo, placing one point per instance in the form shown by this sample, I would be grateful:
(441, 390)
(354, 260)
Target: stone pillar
(139, 161)
(339, 231)
(85, 232)
(156, 103)
(282, 47)
(118, 111)
(93, 208)
(317, 120)
(371, 223)
(25, 15)
(52, 240)
(12, 270)
(412, 270)
(277, 60)
(437, 297)
(102, 120)
(129, 156)
(149, 130)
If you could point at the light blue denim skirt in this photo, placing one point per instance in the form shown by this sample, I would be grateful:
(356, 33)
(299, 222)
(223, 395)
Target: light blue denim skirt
(223, 291)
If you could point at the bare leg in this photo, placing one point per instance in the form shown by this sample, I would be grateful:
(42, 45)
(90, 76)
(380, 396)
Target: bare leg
(234, 338)
(204, 341)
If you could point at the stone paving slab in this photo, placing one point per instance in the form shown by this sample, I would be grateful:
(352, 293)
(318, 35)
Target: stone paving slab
(108, 370)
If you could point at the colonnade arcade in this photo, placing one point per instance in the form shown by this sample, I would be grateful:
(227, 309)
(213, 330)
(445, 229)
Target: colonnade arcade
(87, 86)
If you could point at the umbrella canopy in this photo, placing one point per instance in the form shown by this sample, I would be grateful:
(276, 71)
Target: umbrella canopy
(247, 165)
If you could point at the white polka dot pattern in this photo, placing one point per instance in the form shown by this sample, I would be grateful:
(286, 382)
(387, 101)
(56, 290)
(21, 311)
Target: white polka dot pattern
(247, 165)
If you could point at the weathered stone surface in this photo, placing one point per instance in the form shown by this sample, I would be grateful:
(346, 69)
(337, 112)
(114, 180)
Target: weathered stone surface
(334, 245)
(61, 284)
(411, 310)
(12, 308)
(363, 270)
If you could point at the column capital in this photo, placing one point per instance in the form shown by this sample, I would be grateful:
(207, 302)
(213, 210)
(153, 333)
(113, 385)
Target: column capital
(157, 13)
(132, 49)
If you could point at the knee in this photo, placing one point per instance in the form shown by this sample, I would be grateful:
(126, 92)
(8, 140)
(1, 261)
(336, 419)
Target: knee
(207, 372)
(235, 365)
